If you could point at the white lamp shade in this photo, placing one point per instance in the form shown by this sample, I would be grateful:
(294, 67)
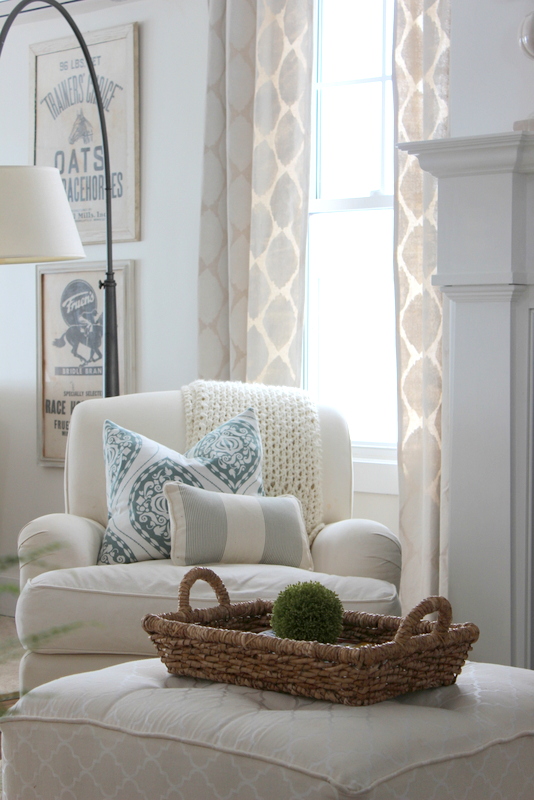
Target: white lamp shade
(36, 223)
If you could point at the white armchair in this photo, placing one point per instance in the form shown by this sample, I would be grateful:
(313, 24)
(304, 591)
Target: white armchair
(74, 615)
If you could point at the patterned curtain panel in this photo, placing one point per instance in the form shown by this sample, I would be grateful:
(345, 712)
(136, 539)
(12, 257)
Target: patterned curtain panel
(421, 75)
(255, 195)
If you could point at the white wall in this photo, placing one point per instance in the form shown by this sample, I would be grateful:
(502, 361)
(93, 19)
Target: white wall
(172, 47)
(492, 81)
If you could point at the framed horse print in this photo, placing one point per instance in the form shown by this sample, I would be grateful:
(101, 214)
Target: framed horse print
(67, 132)
(69, 366)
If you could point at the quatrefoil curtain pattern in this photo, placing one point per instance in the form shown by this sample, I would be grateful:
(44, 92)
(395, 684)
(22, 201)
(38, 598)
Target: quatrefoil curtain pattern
(421, 76)
(255, 190)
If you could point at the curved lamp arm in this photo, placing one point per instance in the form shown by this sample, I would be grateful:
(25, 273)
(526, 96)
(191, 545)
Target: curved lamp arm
(111, 356)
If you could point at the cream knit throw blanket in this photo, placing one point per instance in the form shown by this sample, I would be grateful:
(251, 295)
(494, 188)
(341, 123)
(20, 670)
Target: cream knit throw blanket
(290, 434)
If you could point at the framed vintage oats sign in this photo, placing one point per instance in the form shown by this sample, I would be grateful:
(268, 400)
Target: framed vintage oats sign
(67, 131)
(69, 368)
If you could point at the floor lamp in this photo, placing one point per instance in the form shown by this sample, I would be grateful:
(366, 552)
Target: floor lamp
(34, 214)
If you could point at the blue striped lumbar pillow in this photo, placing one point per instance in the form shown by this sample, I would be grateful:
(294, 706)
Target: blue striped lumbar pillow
(214, 528)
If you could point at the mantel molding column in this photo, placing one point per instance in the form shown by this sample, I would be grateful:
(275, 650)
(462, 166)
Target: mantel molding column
(475, 155)
(484, 187)
(486, 272)
(483, 292)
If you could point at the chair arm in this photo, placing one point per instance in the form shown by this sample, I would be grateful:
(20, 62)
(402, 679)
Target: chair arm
(58, 541)
(358, 547)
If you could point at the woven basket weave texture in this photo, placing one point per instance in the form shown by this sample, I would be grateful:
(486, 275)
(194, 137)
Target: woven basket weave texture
(386, 657)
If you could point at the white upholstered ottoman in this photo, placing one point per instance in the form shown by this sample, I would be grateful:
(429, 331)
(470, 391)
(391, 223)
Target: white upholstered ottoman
(133, 731)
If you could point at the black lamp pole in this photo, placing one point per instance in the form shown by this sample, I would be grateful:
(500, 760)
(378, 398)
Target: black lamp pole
(111, 354)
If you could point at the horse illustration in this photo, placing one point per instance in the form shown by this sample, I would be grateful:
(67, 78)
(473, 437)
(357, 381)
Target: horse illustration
(88, 333)
(82, 129)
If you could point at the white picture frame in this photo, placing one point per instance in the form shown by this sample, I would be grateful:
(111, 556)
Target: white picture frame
(69, 347)
(67, 132)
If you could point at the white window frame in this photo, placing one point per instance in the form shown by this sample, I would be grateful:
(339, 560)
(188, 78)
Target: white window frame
(375, 467)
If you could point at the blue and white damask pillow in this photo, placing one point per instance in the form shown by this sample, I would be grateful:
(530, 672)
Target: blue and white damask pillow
(226, 460)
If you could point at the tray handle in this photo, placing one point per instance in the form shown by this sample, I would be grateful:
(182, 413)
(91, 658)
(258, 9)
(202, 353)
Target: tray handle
(427, 606)
(205, 574)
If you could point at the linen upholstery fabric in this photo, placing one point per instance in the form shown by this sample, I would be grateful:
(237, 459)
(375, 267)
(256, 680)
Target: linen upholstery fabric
(421, 77)
(290, 432)
(155, 735)
(213, 527)
(255, 193)
(107, 604)
(137, 468)
(99, 607)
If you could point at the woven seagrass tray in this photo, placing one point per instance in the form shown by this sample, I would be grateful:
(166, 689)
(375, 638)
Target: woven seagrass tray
(389, 656)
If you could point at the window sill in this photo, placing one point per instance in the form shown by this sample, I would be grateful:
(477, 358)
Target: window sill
(374, 469)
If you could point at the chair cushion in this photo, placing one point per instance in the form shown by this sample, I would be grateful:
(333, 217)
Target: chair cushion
(226, 460)
(215, 527)
(107, 603)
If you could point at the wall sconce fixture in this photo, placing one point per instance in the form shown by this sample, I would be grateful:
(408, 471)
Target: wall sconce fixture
(526, 35)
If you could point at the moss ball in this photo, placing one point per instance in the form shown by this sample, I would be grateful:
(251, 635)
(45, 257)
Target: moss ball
(308, 611)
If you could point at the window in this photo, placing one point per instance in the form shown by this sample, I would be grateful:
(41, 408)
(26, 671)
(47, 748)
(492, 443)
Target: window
(350, 357)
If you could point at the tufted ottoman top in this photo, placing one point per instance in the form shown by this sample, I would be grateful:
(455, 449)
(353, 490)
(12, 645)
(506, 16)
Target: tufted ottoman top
(134, 731)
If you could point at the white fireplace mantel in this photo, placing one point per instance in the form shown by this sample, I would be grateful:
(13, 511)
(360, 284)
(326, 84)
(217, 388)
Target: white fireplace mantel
(475, 155)
(486, 273)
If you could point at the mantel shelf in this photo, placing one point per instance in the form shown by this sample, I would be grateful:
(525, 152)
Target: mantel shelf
(475, 155)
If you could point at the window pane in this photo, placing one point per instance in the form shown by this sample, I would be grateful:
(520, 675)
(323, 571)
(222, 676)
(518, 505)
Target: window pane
(389, 143)
(351, 33)
(350, 163)
(351, 326)
(388, 49)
